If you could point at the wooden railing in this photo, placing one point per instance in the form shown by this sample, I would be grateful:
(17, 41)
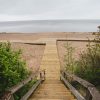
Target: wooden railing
(9, 93)
(91, 94)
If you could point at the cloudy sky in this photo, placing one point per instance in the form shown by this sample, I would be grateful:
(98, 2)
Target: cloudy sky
(49, 9)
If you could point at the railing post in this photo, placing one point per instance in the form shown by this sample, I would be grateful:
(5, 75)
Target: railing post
(64, 75)
(40, 75)
(12, 97)
(88, 95)
(44, 75)
(60, 75)
(7, 96)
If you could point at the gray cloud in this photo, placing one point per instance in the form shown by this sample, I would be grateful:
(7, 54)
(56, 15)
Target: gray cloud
(49, 9)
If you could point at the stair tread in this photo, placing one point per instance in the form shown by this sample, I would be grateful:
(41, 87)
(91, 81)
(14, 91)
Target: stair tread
(52, 88)
(50, 99)
(55, 97)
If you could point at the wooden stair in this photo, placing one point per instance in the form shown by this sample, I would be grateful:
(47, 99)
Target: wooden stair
(52, 88)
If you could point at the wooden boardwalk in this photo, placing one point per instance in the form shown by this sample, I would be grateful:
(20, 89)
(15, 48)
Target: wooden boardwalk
(52, 88)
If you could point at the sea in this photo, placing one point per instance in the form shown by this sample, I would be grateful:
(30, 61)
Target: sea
(37, 26)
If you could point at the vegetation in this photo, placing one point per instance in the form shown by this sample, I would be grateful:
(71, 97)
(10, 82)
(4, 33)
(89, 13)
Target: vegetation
(88, 64)
(12, 67)
(24, 90)
(69, 59)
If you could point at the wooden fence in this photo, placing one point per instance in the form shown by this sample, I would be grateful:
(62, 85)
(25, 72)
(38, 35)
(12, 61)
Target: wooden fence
(91, 94)
(9, 93)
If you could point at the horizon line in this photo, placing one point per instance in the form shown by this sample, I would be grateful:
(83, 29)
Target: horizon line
(44, 20)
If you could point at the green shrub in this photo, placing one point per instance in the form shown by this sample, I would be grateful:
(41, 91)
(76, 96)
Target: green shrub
(12, 67)
(21, 92)
(88, 64)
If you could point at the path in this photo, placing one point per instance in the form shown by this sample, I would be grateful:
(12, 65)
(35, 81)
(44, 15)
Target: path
(52, 88)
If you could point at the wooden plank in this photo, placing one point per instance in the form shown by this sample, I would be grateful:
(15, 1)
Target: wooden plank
(35, 43)
(95, 94)
(72, 89)
(21, 84)
(92, 90)
(80, 80)
(79, 40)
(9, 93)
(27, 95)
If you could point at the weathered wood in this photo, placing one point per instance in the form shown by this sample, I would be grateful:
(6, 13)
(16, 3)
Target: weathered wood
(52, 88)
(36, 43)
(9, 94)
(88, 95)
(80, 80)
(12, 97)
(21, 84)
(27, 95)
(95, 93)
(79, 40)
(72, 89)
(92, 91)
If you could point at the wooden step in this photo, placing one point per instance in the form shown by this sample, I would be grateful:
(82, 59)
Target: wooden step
(45, 99)
(54, 97)
(49, 99)
(52, 88)
(52, 82)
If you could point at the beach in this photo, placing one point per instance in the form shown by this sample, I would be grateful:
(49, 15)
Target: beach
(32, 53)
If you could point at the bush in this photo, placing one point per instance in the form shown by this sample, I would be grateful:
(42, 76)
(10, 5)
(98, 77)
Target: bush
(21, 92)
(12, 67)
(88, 64)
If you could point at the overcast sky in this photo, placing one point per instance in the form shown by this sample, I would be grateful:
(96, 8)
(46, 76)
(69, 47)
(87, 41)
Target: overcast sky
(49, 9)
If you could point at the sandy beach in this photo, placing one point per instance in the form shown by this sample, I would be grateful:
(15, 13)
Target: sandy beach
(33, 53)
(35, 36)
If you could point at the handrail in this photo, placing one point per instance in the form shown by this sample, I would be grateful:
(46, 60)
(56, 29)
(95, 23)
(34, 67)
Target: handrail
(79, 40)
(9, 93)
(72, 89)
(93, 93)
(26, 96)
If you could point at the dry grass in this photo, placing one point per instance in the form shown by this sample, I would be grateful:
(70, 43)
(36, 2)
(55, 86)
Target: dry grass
(31, 53)
(78, 48)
